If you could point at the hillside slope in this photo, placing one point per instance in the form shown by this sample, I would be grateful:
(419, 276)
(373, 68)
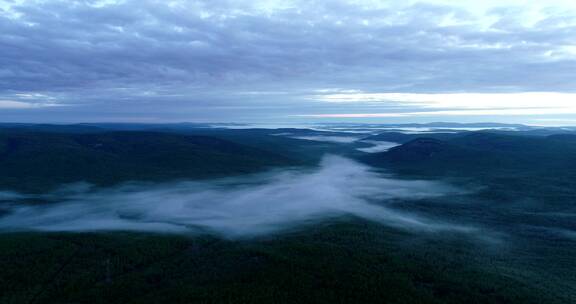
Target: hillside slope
(37, 161)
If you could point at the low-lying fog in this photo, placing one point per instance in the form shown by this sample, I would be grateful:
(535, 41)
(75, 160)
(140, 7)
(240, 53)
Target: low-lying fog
(253, 205)
(376, 146)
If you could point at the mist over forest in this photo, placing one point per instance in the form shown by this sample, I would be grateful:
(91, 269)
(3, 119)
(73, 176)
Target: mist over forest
(476, 214)
(287, 151)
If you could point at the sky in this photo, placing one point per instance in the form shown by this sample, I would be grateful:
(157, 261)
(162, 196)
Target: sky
(157, 61)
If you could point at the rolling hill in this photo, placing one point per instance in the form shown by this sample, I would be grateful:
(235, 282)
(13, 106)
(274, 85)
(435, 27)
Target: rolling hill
(33, 161)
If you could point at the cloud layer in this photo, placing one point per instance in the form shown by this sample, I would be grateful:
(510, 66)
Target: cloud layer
(258, 205)
(151, 60)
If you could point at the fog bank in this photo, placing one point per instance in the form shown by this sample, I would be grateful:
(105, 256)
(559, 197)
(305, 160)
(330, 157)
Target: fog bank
(378, 146)
(237, 207)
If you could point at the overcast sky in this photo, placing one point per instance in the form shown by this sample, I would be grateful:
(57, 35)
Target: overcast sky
(288, 61)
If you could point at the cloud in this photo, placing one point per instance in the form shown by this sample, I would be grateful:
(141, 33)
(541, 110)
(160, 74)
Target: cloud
(12, 104)
(460, 100)
(507, 112)
(189, 60)
(263, 204)
(456, 104)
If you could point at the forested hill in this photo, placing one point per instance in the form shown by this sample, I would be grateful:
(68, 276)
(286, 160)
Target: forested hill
(540, 168)
(32, 161)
